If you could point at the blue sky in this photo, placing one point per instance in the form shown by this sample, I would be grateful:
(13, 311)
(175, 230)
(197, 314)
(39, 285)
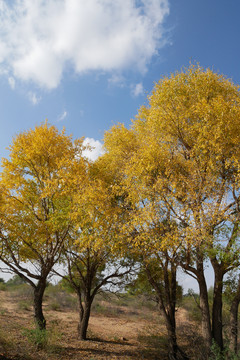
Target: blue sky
(87, 65)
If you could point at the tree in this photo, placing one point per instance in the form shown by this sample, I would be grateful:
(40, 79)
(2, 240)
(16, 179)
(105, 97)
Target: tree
(193, 119)
(90, 253)
(35, 204)
(181, 156)
(148, 234)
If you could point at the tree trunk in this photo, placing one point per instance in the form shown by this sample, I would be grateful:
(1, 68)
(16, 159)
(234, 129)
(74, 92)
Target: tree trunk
(204, 307)
(84, 319)
(171, 294)
(217, 307)
(174, 352)
(234, 320)
(166, 296)
(38, 299)
(172, 338)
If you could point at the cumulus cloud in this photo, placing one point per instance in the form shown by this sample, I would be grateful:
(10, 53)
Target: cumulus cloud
(137, 90)
(62, 116)
(39, 39)
(96, 148)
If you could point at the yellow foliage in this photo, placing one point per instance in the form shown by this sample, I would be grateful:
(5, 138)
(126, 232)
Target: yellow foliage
(36, 185)
(180, 161)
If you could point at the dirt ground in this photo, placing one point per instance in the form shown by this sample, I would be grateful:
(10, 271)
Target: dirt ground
(110, 337)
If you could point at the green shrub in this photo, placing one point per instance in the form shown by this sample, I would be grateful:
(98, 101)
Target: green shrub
(47, 340)
(37, 337)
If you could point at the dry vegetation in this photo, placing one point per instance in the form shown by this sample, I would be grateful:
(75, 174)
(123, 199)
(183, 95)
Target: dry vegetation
(125, 327)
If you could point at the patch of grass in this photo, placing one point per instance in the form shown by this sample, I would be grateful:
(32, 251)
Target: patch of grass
(47, 340)
(36, 337)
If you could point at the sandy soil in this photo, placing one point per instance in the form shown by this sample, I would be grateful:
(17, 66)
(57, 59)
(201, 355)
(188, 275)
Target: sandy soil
(110, 337)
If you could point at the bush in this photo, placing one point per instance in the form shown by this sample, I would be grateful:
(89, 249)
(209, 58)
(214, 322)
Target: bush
(37, 337)
(44, 339)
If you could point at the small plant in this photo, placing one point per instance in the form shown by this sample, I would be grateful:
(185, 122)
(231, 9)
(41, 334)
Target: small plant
(44, 339)
(37, 337)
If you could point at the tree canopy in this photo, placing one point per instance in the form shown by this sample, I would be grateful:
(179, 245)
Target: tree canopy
(178, 169)
(36, 203)
(166, 194)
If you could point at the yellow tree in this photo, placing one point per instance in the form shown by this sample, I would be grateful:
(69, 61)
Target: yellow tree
(182, 155)
(148, 232)
(35, 204)
(194, 118)
(91, 262)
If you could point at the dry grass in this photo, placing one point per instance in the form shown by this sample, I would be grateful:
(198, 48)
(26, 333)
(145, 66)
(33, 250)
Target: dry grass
(119, 328)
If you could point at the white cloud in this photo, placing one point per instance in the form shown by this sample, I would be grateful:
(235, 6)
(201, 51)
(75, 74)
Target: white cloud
(11, 82)
(137, 90)
(34, 98)
(96, 148)
(117, 80)
(38, 39)
(62, 116)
